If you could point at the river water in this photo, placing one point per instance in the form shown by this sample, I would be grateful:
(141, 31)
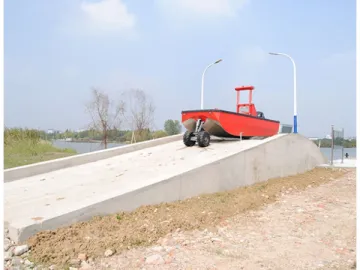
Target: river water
(85, 147)
(337, 152)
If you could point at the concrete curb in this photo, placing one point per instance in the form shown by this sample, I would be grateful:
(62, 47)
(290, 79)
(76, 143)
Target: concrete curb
(62, 163)
(347, 163)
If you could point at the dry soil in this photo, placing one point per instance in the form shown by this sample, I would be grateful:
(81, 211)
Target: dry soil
(310, 229)
(145, 226)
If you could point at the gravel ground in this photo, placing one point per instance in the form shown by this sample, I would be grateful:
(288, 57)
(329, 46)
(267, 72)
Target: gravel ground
(311, 229)
(306, 221)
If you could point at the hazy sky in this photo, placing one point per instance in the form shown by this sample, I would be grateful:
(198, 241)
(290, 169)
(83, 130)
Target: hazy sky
(55, 51)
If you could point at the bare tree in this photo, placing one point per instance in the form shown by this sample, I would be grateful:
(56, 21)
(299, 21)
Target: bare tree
(139, 111)
(104, 114)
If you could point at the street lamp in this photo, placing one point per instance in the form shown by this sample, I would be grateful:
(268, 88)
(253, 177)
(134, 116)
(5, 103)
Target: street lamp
(202, 82)
(295, 106)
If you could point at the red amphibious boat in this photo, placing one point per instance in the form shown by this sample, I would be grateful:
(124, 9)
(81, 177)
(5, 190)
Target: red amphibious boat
(246, 122)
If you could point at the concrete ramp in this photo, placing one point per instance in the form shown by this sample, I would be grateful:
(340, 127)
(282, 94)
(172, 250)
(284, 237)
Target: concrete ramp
(162, 173)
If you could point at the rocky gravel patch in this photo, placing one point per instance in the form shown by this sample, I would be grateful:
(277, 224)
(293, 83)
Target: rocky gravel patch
(15, 256)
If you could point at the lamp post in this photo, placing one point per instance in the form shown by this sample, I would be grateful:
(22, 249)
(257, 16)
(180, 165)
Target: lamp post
(202, 82)
(295, 100)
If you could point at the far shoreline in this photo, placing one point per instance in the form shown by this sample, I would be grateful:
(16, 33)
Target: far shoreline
(86, 141)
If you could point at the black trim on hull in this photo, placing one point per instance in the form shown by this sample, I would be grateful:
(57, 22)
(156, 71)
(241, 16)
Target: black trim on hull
(222, 111)
(211, 126)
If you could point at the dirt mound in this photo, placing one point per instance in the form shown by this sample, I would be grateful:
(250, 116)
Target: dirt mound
(147, 224)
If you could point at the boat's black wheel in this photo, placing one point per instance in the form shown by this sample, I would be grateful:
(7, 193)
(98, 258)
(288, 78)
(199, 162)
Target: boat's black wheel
(187, 138)
(203, 139)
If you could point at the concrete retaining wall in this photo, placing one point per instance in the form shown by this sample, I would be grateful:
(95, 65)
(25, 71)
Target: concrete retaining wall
(278, 156)
(61, 163)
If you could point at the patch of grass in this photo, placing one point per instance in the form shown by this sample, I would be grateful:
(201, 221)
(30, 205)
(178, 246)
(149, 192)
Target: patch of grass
(23, 147)
(119, 216)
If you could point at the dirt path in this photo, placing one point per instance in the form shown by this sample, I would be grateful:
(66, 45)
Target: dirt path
(310, 229)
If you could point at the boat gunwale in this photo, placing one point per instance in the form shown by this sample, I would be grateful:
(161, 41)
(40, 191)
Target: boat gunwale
(229, 112)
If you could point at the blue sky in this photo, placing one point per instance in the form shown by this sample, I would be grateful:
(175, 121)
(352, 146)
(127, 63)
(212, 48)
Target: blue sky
(55, 51)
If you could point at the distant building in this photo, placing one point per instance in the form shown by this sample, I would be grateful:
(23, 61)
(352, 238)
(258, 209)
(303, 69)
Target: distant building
(52, 131)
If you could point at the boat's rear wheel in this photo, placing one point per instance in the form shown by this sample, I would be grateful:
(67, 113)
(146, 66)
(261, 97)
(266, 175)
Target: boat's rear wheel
(203, 139)
(187, 138)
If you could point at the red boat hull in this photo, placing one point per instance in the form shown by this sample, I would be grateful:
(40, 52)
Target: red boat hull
(227, 124)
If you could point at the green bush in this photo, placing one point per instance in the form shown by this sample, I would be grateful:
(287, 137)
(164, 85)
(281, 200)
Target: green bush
(172, 127)
(25, 146)
(15, 135)
(159, 134)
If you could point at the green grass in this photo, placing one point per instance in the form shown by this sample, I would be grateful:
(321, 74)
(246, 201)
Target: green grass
(23, 147)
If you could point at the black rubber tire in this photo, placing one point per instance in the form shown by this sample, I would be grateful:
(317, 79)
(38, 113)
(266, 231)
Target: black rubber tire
(203, 139)
(187, 139)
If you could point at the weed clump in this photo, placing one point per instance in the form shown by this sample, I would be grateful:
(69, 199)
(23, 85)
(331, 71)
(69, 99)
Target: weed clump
(25, 146)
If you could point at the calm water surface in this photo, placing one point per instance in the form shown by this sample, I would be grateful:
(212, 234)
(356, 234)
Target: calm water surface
(337, 152)
(83, 147)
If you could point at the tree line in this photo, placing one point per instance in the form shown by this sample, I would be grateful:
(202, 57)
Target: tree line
(346, 143)
(114, 135)
(128, 119)
(131, 118)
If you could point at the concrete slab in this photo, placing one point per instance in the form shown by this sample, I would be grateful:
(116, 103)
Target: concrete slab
(61, 163)
(347, 163)
(158, 174)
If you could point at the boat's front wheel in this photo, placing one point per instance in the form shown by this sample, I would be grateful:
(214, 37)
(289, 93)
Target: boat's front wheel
(187, 138)
(203, 139)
